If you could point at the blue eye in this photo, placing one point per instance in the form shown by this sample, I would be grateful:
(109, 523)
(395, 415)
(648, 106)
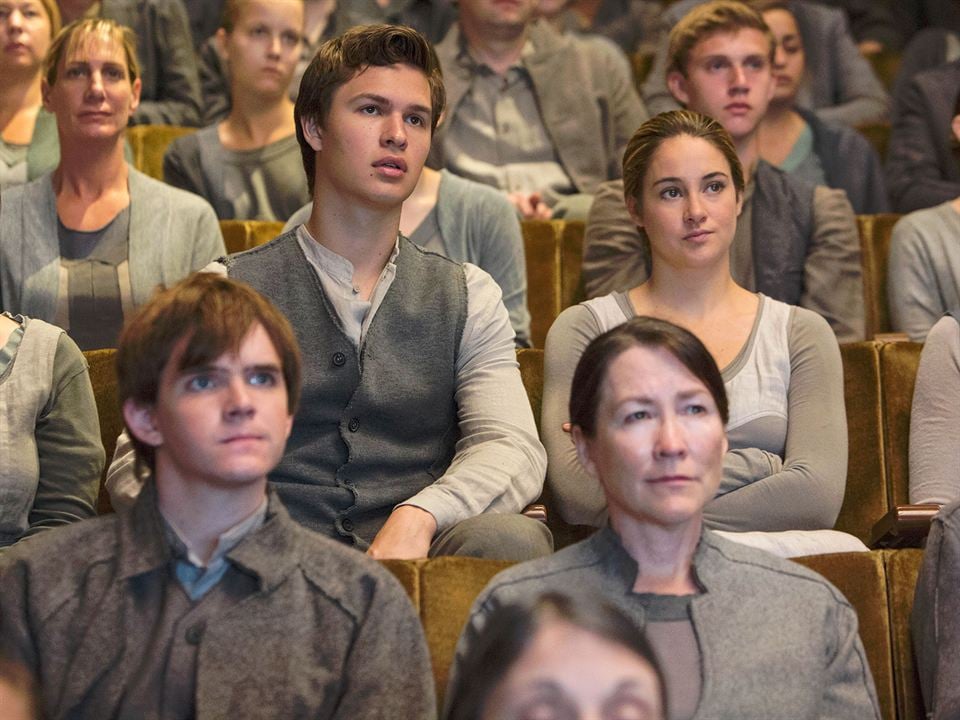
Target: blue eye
(266, 379)
(199, 383)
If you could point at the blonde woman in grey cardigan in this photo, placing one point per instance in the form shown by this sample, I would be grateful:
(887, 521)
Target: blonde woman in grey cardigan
(82, 246)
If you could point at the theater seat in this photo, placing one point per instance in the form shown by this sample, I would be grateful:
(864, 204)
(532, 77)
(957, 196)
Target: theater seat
(553, 250)
(149, 143)
(902, 569)
(103, 377)
(240, 235)
(875, 231)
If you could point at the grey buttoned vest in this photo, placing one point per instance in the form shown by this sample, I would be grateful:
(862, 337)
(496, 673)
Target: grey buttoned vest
(375, 424)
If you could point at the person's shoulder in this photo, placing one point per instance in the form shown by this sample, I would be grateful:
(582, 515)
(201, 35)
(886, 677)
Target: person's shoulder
(752, 571)
(924, 223)
(938, 78)
(144, 188)
(59, 557)
(267, 248)
(188, 146)
(564, 569)
(346, 576)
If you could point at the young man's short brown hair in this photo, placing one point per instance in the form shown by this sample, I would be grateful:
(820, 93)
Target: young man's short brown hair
(339, 60)
(719, 16)
(215, 313)
(74, 35)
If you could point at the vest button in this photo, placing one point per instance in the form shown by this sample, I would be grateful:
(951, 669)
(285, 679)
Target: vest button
(354, 425)
(339, 359)
(347, 524)
(194, 633)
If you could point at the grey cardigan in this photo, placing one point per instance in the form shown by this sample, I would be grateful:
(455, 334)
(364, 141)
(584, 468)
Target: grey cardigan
(172, 233)
(776, 640)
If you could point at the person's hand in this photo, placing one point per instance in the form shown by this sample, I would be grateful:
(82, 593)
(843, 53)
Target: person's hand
(530, 207)
(406, 535)
(870, 47)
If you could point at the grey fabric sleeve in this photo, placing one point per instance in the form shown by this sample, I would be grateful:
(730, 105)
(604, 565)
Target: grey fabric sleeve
(914, 178)
(68, 445)
(858, 94)
(912, 290)
(935, 418)
(807, 492)
(833, 281)
(578, 496)
(654, 89)
(615, 256)
(496, 234)
(176, 97)
(934, 619)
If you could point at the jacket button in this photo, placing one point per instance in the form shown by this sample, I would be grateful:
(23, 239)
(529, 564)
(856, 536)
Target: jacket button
(354, 425)
(195, 633)
(339, 359)
(347, 524)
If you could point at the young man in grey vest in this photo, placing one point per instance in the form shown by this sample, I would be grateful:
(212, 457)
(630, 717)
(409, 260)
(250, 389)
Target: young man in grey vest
(205, 600)
(414, 436)
(795, 242)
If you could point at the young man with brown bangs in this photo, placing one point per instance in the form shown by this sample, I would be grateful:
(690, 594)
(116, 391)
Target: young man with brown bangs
(415, 437)
(205, 600)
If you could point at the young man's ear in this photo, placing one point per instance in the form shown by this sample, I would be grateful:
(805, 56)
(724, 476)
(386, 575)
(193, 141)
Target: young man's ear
(141, 422)
(677, 85)
(312, 133)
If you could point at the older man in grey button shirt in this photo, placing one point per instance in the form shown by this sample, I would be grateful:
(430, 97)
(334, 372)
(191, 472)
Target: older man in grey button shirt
(541, 116)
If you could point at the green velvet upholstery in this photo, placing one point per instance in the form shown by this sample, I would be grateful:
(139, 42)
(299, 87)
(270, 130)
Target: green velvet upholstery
(865, 498)
(898, 370)
(531, 372)
(103, 377)
(875, 233)
(148, 144)
(879, 584)
(902, 568)
(571, 256)
(860, 577)
(542, 252)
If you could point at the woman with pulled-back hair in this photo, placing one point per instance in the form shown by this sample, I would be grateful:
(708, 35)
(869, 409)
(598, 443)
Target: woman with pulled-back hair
(786, 466)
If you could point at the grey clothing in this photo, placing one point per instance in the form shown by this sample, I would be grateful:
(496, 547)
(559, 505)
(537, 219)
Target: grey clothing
(803, 241)
(850, 164)
(914, 15)
(631, 24)
(477, 225)
(776, 640)
(498, 138)
(267, 183)
(927, 49)
(40, 156)
(317, 635)
(923, 271)
(586, 99)
(94, 265)
(922, 168)
(840, 86)
(383, 444)
(935, 620)
(787, 464)
(172, 233)
(51, 457)
(168, 65)
(935, 417)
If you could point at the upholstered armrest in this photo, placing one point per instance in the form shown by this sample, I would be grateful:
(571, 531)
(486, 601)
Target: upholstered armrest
(904, 526)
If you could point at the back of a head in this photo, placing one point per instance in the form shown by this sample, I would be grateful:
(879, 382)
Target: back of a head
(510, 630)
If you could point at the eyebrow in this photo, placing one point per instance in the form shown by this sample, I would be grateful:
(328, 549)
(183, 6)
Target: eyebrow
(708, 176)
(210, 367)
(385, 101)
